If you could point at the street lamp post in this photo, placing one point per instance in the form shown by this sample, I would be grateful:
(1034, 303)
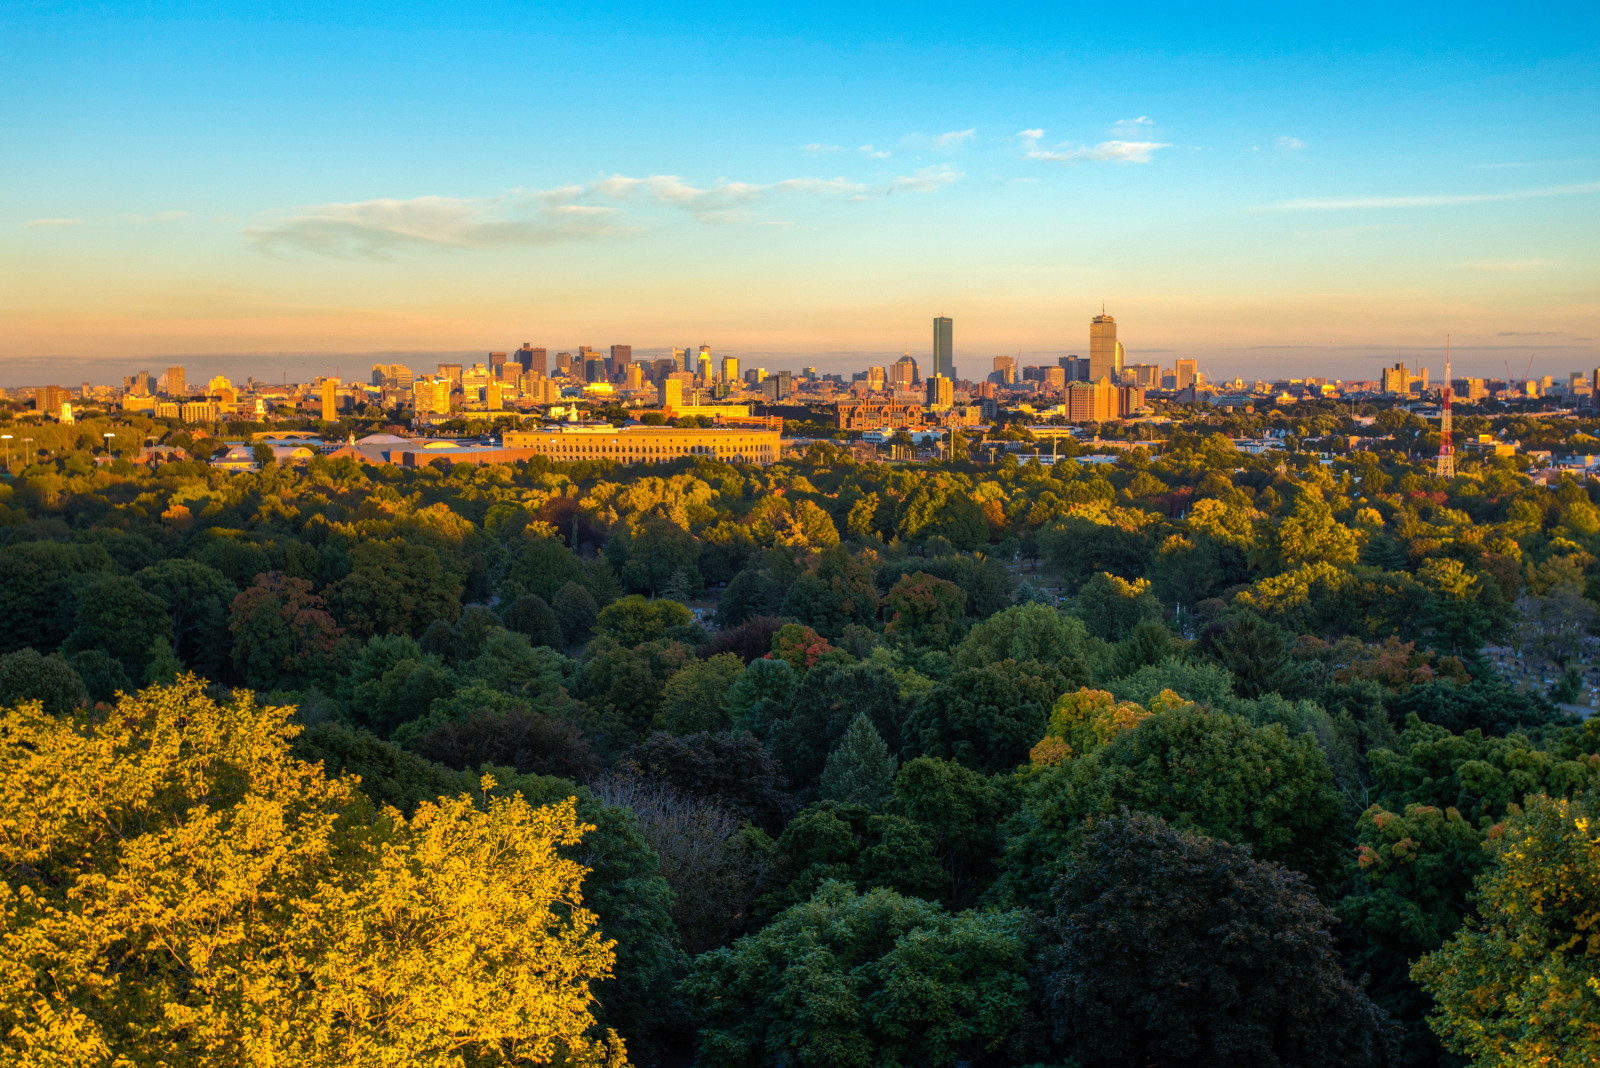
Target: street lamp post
(109, 436)
(26, 453)
(7, 439)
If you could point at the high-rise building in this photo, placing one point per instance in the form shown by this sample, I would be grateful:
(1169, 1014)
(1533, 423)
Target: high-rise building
(730, 370)
(176, 387)
(681, 358)
(633, 376)
(497, 360)
(1102, 347)
(330, 400)
(671, 392)
(944, 348)
(941, 392)
(1005, 369)
(563, 363)
(533, 359)
(877, 379)
(621, 357)
(707, 372)
(903, 373)
(594, 368)
(1185, 371)
(1144, 375)
(431, 395)
(1092, 402)
(51, 399)
(452, 373)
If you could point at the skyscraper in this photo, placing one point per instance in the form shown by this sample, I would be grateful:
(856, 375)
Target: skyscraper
(532, 360)
(941, 392)
(730, 370)
(330, 400)
(1102, 347)
(1185, 372)
(943, 348)
(176, 386)
(1005, 370)
(621, 357)
(903, 373)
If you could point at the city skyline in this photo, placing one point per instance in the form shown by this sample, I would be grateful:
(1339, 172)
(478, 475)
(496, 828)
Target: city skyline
(1268, 197)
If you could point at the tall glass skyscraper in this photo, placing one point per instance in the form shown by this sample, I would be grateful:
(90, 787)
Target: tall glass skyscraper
(944, 348)
(1103, 348)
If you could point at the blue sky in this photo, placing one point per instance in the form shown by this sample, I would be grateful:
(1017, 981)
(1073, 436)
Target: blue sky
(1273, 191)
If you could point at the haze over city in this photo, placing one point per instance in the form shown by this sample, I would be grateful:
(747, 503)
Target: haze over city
(304, 191)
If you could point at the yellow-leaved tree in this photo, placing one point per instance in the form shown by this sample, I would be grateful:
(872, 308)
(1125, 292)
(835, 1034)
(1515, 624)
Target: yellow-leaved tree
(179, 890)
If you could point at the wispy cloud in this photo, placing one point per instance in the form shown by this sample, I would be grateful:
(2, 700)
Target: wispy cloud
(927, 179)
(1444, 200)
(158, 217)
(376, 229)
(54, 223)
(817, 148)
(1290, 144)
(1510, 266)
(945, 142)
(873, 153)
(1131, 127)
(1104, 152)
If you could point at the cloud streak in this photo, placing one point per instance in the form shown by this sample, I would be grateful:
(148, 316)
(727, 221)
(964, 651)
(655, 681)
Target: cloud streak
(1104, 152)
(380, 228)
(1444, 200)
(54, 224)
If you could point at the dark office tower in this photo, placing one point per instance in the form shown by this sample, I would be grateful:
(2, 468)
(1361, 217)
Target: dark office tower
(621, 357)
(594, 368)
(497, 360)
(944, 348)
(533, 361)
(563, 363)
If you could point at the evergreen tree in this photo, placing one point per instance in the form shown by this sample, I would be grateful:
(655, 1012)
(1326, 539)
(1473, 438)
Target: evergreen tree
(575, 612)
(860, 768)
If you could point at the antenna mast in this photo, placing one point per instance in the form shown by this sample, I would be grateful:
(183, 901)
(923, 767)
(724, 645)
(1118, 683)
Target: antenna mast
(1446, 467)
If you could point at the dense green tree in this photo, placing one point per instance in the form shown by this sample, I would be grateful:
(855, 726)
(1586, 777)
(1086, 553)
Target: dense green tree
(197, 599)
(1167, 947)
(860, 769)
(694, 699)
(541, 566)
(961, 811)
(394, 587)
(102, 674)
(657, 551)
(1256, 653)
(922, 609)
(1078, 548)
(1112, 607)
(1201, 770)
(759, 698)
(634, 620)
(530, 615)
(824, 704)
(837, 592)
(863, 981)
(50, 680)
(987, 718)
(392, 681)
(115, 615)
(575, 611)
(1027, 632)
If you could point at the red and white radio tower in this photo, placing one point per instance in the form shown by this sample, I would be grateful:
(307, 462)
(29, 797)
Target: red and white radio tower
(1447, 450)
